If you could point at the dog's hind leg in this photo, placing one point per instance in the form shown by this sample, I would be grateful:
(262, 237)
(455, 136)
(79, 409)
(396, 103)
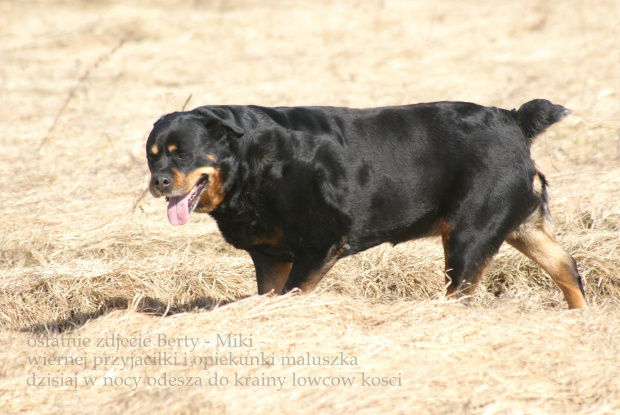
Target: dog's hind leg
(473, 231)
(535, 238)
(271, 272)
(467, 255)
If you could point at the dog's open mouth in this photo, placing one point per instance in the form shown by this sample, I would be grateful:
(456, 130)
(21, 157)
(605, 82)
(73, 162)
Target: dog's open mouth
(180, 207)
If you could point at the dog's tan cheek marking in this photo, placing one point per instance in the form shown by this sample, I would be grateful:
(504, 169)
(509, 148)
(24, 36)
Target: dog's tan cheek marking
(184, 183)
(179, 181)
(194, 176)
(213, 194)
(172, 147)
(154, 149)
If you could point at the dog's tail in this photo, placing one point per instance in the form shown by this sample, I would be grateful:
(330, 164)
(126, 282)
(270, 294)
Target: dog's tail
(537, 115)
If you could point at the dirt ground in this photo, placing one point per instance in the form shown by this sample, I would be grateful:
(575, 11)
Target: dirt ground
(106, 308)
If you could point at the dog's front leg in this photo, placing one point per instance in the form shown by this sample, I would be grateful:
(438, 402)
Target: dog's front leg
(308, 269)
(271, 272)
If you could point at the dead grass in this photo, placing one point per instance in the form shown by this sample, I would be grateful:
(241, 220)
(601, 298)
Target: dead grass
(83, 255)
(450, 359)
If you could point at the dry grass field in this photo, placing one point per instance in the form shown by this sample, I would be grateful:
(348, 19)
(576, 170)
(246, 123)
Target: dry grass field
(106, 308)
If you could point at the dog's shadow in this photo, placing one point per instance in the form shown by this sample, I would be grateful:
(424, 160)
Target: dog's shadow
(145, 305)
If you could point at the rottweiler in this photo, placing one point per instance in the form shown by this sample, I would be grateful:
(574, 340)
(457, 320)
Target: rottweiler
(300, 187)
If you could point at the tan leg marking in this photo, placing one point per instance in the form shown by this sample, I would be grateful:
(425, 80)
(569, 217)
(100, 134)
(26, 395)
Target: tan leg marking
(444, 229)
(274, 277)
(535, 238)
(315, 277)
(469, 290)
(274, 273)
(537, 186)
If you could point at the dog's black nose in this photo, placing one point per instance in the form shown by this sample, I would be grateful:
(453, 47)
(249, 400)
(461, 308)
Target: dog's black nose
(162, 182)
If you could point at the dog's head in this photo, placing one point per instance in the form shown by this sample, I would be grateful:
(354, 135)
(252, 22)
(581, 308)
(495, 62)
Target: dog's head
(188, 155)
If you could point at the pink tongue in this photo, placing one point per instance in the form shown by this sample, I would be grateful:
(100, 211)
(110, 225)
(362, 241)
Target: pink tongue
(178, 210)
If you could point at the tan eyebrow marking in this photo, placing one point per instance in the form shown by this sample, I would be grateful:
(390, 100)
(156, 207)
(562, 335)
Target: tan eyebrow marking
(211, 157)
(154, 149)
(172, 147)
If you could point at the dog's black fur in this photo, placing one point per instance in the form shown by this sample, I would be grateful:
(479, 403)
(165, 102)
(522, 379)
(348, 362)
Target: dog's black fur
(300, 187)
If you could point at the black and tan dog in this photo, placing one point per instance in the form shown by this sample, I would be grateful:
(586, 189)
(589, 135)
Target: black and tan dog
(301, 187)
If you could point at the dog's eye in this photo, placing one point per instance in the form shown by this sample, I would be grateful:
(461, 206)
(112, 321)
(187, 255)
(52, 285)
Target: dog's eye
(183, 156)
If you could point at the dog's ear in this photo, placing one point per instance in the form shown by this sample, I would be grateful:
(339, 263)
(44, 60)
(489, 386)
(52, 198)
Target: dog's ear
(220, 119)
(232, 126)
